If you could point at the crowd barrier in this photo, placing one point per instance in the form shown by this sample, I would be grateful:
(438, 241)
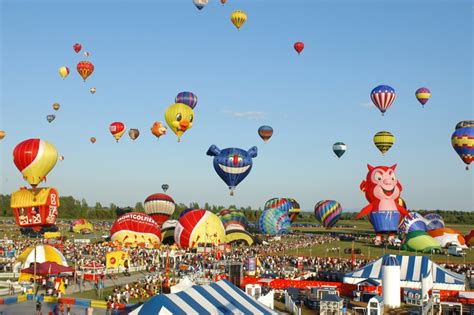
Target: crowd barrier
(290, 305)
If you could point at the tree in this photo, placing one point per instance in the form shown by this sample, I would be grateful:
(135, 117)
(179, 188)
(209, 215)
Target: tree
(139, 207)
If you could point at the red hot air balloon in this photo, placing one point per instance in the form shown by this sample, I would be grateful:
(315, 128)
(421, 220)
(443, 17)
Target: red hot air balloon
(85, 69)
(160, 207)
(135, 228)
(77, 47)
(117, 130)
(299, 46)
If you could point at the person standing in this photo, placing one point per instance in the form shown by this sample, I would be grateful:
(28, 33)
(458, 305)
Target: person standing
(38, 307)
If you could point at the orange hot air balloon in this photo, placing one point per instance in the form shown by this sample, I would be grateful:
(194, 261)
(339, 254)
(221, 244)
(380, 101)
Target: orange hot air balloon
(93, 139)
(117, 130)
(2, 134)
(133, 133)
(158, 129)
(35, 158)
(85, 69)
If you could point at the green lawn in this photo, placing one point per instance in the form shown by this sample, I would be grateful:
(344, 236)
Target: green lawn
(92, 295)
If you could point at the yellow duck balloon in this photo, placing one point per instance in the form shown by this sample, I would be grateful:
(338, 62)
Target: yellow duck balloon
(238, 18)
(179, 118)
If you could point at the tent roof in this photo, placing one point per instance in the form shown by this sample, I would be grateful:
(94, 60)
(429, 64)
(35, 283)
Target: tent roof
(412, 269)
(47, 268)
(221, 297)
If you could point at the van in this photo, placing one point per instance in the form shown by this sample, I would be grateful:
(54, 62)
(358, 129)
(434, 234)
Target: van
(455, 250)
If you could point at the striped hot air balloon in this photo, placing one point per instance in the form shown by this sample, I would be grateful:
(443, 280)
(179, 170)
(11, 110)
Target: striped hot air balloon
(423, 95)
(462, 141)
(199, 226)
(383, 96)
(117, 129)
(187, 98)
(265, 132)
(274, 221)
(465, 123)
(160, 207)
(339, 149)
(384, 140)
(434, 221)
(238, 18)
(328, 212)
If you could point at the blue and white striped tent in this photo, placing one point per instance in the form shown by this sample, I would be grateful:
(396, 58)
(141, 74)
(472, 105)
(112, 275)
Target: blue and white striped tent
(221, 297)
(412, 270)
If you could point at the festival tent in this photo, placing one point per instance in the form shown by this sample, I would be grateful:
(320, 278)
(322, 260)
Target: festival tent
(47, 268)
(42, 254)
(412, 269)
(221, 297)
(184, 284)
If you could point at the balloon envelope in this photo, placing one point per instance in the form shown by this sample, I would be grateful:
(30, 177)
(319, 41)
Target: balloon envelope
(274, 221)
(35, 158)
(85, 69)
(383, 96)
(56, 106)
(416, 223)
(434, 221)
(465, 123)
(134, 228)
(200, 4)
(423, 95)
(77, 47)
(187, 98)
(238, 18)
(299, 46)
(179, 118)
(165, 187)
(63, 72)
(50, 118)
(93, 139)
(328, 212)
(339, 149)
(462, 141)
(384, 140)
(2, 134)
(133, 133)
(117, 129)
(160, 207)
(265, 132)
(199, 226)
(158, 129)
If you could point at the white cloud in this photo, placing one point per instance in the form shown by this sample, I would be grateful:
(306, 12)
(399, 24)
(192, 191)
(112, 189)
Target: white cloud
(367, 105)
(250, 115)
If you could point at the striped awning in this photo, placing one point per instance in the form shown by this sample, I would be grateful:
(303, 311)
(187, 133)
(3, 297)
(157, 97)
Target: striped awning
(221, 297)
(412, 270)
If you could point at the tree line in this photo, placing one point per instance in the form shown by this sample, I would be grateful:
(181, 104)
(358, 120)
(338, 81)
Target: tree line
(71, 208)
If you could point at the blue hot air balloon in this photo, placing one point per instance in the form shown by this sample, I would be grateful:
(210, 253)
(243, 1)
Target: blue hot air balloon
(274, 221)
(232, 164)
(187, 98)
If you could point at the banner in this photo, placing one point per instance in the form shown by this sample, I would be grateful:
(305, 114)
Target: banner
(116, 259)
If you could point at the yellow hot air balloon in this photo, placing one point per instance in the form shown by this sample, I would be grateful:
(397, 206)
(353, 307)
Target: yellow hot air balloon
(35, 158)
(238, 18)
(63, 72)
(179, 118)
(2, 134)
(384, 140)
(56, 106)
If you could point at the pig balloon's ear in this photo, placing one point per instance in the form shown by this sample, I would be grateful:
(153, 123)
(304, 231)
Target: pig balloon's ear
(370, 167)
(393, 167)
(213, 150)
(253, 152)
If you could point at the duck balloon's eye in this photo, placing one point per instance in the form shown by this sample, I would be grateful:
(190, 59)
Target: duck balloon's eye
(191, 118)
(178, 116)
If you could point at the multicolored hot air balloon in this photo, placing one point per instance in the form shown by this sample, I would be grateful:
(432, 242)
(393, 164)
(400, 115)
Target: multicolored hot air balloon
(93, 139)
(134, 228)
(187, 98)
(50, 118)
(383, 96)
(232, 164)
(165, 187)
(339, 148)
(462, 141)
(200, 4)
(234, 217)
(328, 212)
(77, 47)
(35, 158)
(85, 69)
(179, 118)
(117, 129)
(63, 72)
(384, 140)
(434, 221)
(56, 106)
(199, 226)
(238, 18)
(158, 129)
(465, 123)
(133, 133)
(160, 207)
(265, 132)
(299, 46)
(274, 221)
(423, 95)
(416, 222)
(288, 205)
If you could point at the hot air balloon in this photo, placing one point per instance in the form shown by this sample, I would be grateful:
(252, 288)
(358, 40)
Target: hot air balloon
(133, 133)
(434, 221)
(328, 212)
(158, 129)
(63, 72)
(92, 90)
(183, 213)
(2, 134)
(299, 46)
(238, 18)
(200, 4)
(383, 96)
(86, 54)
(199, 226)
(274, 221)
(423, 95)
(81, 226)
(232, 164)
(179, 118)
(233, 217)
(160, 207)
(288, 205)
(35, 158)
(61, 158)
(50, 118)
(223, 1)
(77, 47)
(117, 130)
(384, 140)
(462, 141)
(135, 228)
(165, 187)
(187, 98)
(93, 139)
(265, 132)
(339, 149)
(465, 123)
(56, 106)
(416, 222)
(448, 236)
(167, 232)
(85, 69)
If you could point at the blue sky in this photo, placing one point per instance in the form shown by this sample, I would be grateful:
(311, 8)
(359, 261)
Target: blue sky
(145, 52)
